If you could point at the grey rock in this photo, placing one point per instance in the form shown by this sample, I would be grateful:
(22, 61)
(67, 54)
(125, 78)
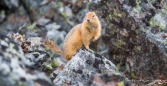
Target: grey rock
(80, 70)
(15, 69)
(10, 4)
(14, 20)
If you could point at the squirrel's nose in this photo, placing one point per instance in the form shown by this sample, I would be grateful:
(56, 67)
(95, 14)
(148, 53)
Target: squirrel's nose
(88, 20)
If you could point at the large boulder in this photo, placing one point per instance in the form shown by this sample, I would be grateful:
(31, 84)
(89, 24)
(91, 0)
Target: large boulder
(82, 69)
(135, 32)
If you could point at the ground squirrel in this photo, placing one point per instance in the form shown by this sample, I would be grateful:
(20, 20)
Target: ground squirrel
(79, 36)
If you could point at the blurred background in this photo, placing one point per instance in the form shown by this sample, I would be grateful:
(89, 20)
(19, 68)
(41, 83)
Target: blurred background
(124, 40)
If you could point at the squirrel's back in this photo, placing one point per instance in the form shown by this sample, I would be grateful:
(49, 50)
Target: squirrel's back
(72, 42)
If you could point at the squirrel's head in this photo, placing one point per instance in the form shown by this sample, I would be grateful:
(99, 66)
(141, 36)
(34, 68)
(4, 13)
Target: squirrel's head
(91, 17)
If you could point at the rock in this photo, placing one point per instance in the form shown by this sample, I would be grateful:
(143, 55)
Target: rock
(36, 53)
(154, 18)
(10, 4)
(135, 30)
(14, 20)
(15, 69)
(80, 70)
(32, 9)
(54, 34)
(85, 68)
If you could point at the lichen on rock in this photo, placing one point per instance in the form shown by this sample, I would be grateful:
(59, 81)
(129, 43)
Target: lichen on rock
(15, 69)
(81, 69)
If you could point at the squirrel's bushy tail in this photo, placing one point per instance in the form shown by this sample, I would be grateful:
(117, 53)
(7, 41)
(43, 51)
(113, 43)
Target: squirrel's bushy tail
(52, 45)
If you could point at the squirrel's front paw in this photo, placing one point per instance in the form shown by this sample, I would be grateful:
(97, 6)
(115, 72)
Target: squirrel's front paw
(87, 48)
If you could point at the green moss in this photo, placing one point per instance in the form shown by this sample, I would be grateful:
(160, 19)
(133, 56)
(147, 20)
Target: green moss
(30, 8)
(2, 12)
(41, 12)
(22, 83)
(60, 4)
(114, 56)
(121, 84)
(138, 2)
(107, 3)
(52, 54)
(155, 23)
(51, 76)
(118, 44)
(110, 16)
(36, 38)
(54, 63)
(166, 42)
(34, 30)
(11, 45)
(138, 48)
(152, 23)
(36, 53)
(65, 17)
(165, 9)
(20, 13)
(143, 29)
(48, 66)
(133, 75)
(138, 9)
(108, 21)
(64, 14)
(112, 30)
(30, 27)
(119, 65)
(161, 26)
(54, 26)
(117, 14)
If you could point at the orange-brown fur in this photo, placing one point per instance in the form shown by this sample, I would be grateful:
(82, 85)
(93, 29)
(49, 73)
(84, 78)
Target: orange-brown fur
(79, 36)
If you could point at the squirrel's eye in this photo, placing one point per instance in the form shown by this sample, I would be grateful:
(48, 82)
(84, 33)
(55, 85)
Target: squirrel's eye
(93, 15)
